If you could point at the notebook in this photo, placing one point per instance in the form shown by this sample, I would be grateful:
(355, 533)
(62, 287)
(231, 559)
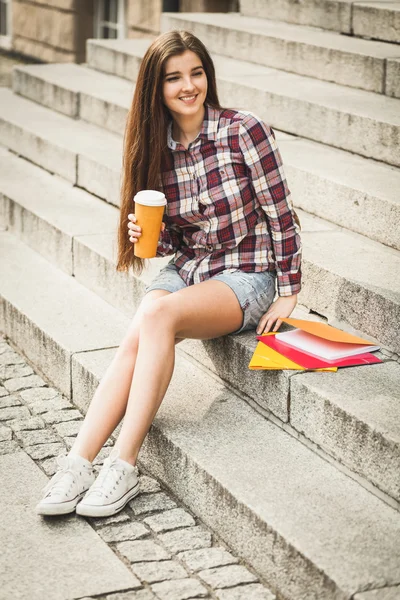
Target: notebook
(320, 347)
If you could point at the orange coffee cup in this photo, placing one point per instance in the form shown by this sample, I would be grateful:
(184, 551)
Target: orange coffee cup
(149, 211)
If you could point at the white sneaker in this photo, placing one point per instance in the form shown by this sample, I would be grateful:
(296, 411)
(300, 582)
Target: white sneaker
(116, 484)
(67, 486)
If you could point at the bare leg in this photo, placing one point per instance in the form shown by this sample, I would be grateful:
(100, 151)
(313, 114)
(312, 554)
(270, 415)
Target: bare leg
(109, 402)
(203, 311)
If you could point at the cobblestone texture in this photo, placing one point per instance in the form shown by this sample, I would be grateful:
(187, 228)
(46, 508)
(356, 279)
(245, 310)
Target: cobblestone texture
(171, 519)
(180, 589)
(254, 591)
(140, 551)
(207, 558)
(151, 503)
(173, 556)
(8, 400)
(186, 539)
(27, 424)
(156, 571)
(5, 433)
(123, 532)
(223, 577)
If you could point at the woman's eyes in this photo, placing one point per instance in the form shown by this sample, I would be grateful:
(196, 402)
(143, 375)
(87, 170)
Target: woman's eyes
(194, 74)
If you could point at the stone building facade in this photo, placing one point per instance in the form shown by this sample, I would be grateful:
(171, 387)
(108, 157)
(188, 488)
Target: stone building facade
(57, 30)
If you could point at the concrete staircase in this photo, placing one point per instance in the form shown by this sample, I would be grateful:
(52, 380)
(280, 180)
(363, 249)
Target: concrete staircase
(298, 473)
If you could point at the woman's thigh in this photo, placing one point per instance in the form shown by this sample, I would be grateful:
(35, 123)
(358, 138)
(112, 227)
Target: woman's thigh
(205, 310)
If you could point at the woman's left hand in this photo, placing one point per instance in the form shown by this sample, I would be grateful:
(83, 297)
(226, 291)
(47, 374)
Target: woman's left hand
(281, 308)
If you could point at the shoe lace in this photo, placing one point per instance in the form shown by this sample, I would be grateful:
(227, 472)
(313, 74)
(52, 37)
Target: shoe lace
(110, 473)
(64, 468)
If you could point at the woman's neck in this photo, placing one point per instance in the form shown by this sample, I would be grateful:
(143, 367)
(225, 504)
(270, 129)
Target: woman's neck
(186, 129)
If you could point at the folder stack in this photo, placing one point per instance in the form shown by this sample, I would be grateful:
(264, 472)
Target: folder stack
(311, 346)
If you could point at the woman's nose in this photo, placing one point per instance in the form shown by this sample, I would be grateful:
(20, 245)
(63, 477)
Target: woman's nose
(188, 85)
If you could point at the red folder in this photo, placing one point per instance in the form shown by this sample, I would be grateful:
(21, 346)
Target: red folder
(309, 362)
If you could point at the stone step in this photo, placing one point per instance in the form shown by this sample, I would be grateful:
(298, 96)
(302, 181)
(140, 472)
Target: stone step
(53, 214)
(308, 51)
(377, 20)
(77, 91)
(217, 446)
(59, 214)
(369, 280)
(347, 16)
(47, 558)
(361, 122)
(84, 154)
(393, 78)
(353, 192)
(49, 315)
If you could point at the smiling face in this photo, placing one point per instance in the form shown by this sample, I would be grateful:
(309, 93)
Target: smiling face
(184, 84)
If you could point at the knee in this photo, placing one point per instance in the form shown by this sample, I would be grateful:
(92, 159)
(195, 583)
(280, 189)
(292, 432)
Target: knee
(149, 313)
(130, 342)
(157, 314)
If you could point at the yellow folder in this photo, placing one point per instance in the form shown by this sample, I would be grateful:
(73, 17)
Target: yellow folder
(266, 358)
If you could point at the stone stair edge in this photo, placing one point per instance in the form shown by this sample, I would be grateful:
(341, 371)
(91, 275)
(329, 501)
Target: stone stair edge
(87, 261)
(159, 444)
(331, 15)
(132, 49)
(50, 140)
(46, 74)
(71, 225)
(87, 177)
(322, 225)
(346, 60)
(231, 408)
(373, 226)
(286, 94)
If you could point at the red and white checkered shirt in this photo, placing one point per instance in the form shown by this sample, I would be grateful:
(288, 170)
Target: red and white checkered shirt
(228, 203)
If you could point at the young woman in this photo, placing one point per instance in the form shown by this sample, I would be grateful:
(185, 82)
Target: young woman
(231, 227)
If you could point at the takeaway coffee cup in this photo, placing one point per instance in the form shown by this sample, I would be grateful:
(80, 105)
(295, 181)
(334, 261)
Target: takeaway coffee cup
(149, 210)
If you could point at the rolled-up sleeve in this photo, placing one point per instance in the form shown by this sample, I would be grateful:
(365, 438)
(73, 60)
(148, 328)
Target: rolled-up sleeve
(263, 159)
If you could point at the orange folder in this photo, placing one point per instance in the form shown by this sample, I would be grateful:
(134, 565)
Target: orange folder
(326, 331)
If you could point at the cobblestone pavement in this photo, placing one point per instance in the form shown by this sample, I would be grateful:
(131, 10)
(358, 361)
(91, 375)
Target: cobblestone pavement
(171, 553)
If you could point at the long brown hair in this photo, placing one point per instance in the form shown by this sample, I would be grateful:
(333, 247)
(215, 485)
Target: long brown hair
(145, 139)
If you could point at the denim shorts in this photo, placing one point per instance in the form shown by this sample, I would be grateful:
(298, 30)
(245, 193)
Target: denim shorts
(255, 291)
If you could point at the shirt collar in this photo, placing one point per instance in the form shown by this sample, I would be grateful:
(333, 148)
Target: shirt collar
(208, 131)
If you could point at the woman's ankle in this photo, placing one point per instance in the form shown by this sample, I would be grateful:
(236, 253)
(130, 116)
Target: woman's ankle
(83, 455)
(127, 457)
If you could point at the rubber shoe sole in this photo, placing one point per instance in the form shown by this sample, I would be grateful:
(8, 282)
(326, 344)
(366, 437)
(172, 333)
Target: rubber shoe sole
(60, 508)
(106, 510)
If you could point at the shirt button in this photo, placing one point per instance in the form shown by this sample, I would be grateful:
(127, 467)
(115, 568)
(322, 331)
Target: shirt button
(209, 247)
(194, 176)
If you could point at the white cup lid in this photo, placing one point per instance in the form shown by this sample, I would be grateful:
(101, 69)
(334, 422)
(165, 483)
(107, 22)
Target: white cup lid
(150, 198)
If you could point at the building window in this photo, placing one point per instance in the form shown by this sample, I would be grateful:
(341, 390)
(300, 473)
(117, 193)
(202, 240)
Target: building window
(110, 19)
(5, 24)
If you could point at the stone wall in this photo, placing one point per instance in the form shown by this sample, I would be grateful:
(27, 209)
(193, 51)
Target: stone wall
(57, 30)
(52, 30)
(144, 17)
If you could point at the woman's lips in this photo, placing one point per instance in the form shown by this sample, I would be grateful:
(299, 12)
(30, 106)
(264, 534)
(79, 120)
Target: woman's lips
(192, 101)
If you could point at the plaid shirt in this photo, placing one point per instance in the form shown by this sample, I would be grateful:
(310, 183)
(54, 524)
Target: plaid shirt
(228, 203)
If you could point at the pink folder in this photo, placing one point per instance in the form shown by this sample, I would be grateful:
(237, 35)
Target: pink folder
(309, 362)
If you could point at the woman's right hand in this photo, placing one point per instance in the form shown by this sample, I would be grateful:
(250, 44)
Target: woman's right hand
(135, 231)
